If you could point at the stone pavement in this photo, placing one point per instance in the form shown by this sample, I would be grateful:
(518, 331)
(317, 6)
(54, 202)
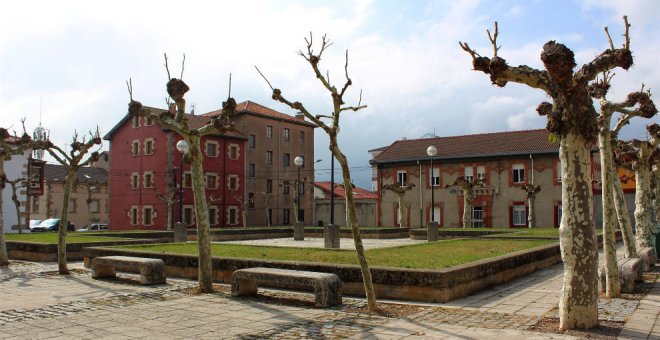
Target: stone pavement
(36, 303)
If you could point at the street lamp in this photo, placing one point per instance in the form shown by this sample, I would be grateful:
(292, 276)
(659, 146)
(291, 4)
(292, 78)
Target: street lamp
(298, 161)
(432, 151)
(182, 146)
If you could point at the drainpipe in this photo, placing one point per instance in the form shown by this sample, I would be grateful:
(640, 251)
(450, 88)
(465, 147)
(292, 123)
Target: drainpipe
(421, 198)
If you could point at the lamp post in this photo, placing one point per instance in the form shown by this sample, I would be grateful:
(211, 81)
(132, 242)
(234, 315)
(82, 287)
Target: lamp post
(182, 146)
(332, 189)
(298, 161)
(432, 151)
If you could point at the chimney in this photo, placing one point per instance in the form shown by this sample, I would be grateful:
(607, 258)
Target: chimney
(300, 116)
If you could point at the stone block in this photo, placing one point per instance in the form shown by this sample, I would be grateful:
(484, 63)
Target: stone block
(648, 256)
(432, 232)
(299, 231)
(152, 271)
(331, 236)
(180, 232)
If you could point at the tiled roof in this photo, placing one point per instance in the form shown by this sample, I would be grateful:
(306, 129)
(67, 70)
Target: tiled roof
(471, 146)
(358, 193)
(57, 173)
(258, 109)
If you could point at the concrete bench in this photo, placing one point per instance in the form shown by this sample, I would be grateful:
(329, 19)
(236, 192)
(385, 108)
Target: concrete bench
(327, 287)
(648, 256)
(152, 271)
(630, 271)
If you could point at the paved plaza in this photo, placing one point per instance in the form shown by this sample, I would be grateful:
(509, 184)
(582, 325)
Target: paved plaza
(37, 303)
(317, 242)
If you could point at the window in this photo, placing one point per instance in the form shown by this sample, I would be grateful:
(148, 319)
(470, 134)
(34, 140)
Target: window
(301, 188)
(188, 215)
(148, 121)
(286, 190)
(518, 173)
(435, 177)
(250, 200)
(269, 157)
(269, 186)
(72, 205)
(469, 173)
(35, 204)
(286, 159)
(252, 141)
(519, 215)
(402, 178)
(251, 169)
(269, 132)
(301, 215)
(286, 216)
(133, 215)
(286, 133)
(301, 137)
(232, 182)
(436, 215)
(270, 216)
(211, 181)
(213, 215)
(232, 215)
(94, 206)
(135, 147)
(149, 146)
(233, 151)
(148, 179)
(477, 217)
(187, 179)
(135, 180)
(136, 121)
(211, 148)
(148, 215)
(481, 173)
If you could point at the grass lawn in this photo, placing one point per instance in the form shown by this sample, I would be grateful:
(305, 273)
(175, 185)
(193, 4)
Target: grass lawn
(434, 255)
(51, 237)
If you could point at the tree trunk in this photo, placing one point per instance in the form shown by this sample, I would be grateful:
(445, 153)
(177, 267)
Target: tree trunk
(169, 180)
(353, 222)
(244, 215)
(643, 220)
(623, 218)
(531, 217)
(4, 257)
(205, 269)
(17, 204)
(578, 304)
(656, 196)
(64, 222)
(403, 218)
(467, 208)
(612, 276)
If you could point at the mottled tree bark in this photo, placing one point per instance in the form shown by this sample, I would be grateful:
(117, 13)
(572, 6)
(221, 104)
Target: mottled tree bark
(531, 190)
(4, 257)
(400, 192)
(205, 269)
(64, 222)
(623, 219)
(644, 236)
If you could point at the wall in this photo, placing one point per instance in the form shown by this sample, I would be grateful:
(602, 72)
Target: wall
(366, 211)
(50, 204)
(14, 168)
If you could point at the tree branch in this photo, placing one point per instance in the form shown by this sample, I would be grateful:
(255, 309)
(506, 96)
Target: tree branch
(609, 59)
(493, 40)
(167, 68)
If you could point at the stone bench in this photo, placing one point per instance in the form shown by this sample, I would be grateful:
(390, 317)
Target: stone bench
(630, 271)
(152, 271)
(327, 287)
(648, 256)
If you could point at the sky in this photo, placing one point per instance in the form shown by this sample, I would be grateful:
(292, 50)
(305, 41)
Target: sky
(65, 63)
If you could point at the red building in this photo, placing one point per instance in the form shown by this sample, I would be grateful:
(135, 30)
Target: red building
(138, 172)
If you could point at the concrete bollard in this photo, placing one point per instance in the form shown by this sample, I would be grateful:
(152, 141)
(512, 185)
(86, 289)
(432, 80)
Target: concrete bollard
(432, 232)
(180, 232)
(299, 231)
(331, 236)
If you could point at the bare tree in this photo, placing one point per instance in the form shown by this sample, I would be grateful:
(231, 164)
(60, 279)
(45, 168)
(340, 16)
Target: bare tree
(245, 204)
(400, 192)
(645, 109)
(7, 150)
(467, 186)
(267, 197)
(16, 184)
(72, 162)
(531, 190)
(176, 89)
(572, 119)
(90, 187)
(332, 130)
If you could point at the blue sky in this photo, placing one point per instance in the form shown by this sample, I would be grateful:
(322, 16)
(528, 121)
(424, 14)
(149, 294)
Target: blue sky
(75, 57)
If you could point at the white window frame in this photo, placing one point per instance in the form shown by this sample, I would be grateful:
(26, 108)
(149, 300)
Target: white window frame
(135, 180)
(286, 134)
(211, 145)
(135, 147)
(232, 213)
(269, 131)
(518, 170)
(402, 177)
(148, 179)
(481, 172)
(434, 180)
(187, 184)
(519, 215)
(148, 151)
(207, 183)
(148, 212)
(468, 173)
(188, 210)
(477, 217)
(136, 122)
(133, 214)
(233, 182)
(235, 149)
(213, 215)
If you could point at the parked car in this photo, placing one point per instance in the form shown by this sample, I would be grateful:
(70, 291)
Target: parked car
(33, 223)
(95, 227)
(51, 224)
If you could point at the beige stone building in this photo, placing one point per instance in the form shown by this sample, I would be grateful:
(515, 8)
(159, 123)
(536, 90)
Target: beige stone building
(89, 197)
(275, 139)
(505, 161)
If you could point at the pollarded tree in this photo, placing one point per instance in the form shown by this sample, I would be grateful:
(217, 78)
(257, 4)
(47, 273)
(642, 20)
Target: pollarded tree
(531, 190)
(245, 202)
(467, 185)
(645, 109)
(178, 123)
(332, 130)
(400, 192)
(11, 145)
(640, 156)
(267, 197)
(72, 161)
(16, 184)
(621, 208)
(572, 119)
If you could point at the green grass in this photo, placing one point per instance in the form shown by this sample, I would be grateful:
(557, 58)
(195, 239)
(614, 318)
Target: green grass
(51, 237)
(434, 255)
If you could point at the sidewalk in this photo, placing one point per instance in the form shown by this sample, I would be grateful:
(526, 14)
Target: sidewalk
(37, 303)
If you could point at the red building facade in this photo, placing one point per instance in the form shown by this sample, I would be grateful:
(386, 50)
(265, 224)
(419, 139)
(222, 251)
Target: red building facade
(138, 173)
